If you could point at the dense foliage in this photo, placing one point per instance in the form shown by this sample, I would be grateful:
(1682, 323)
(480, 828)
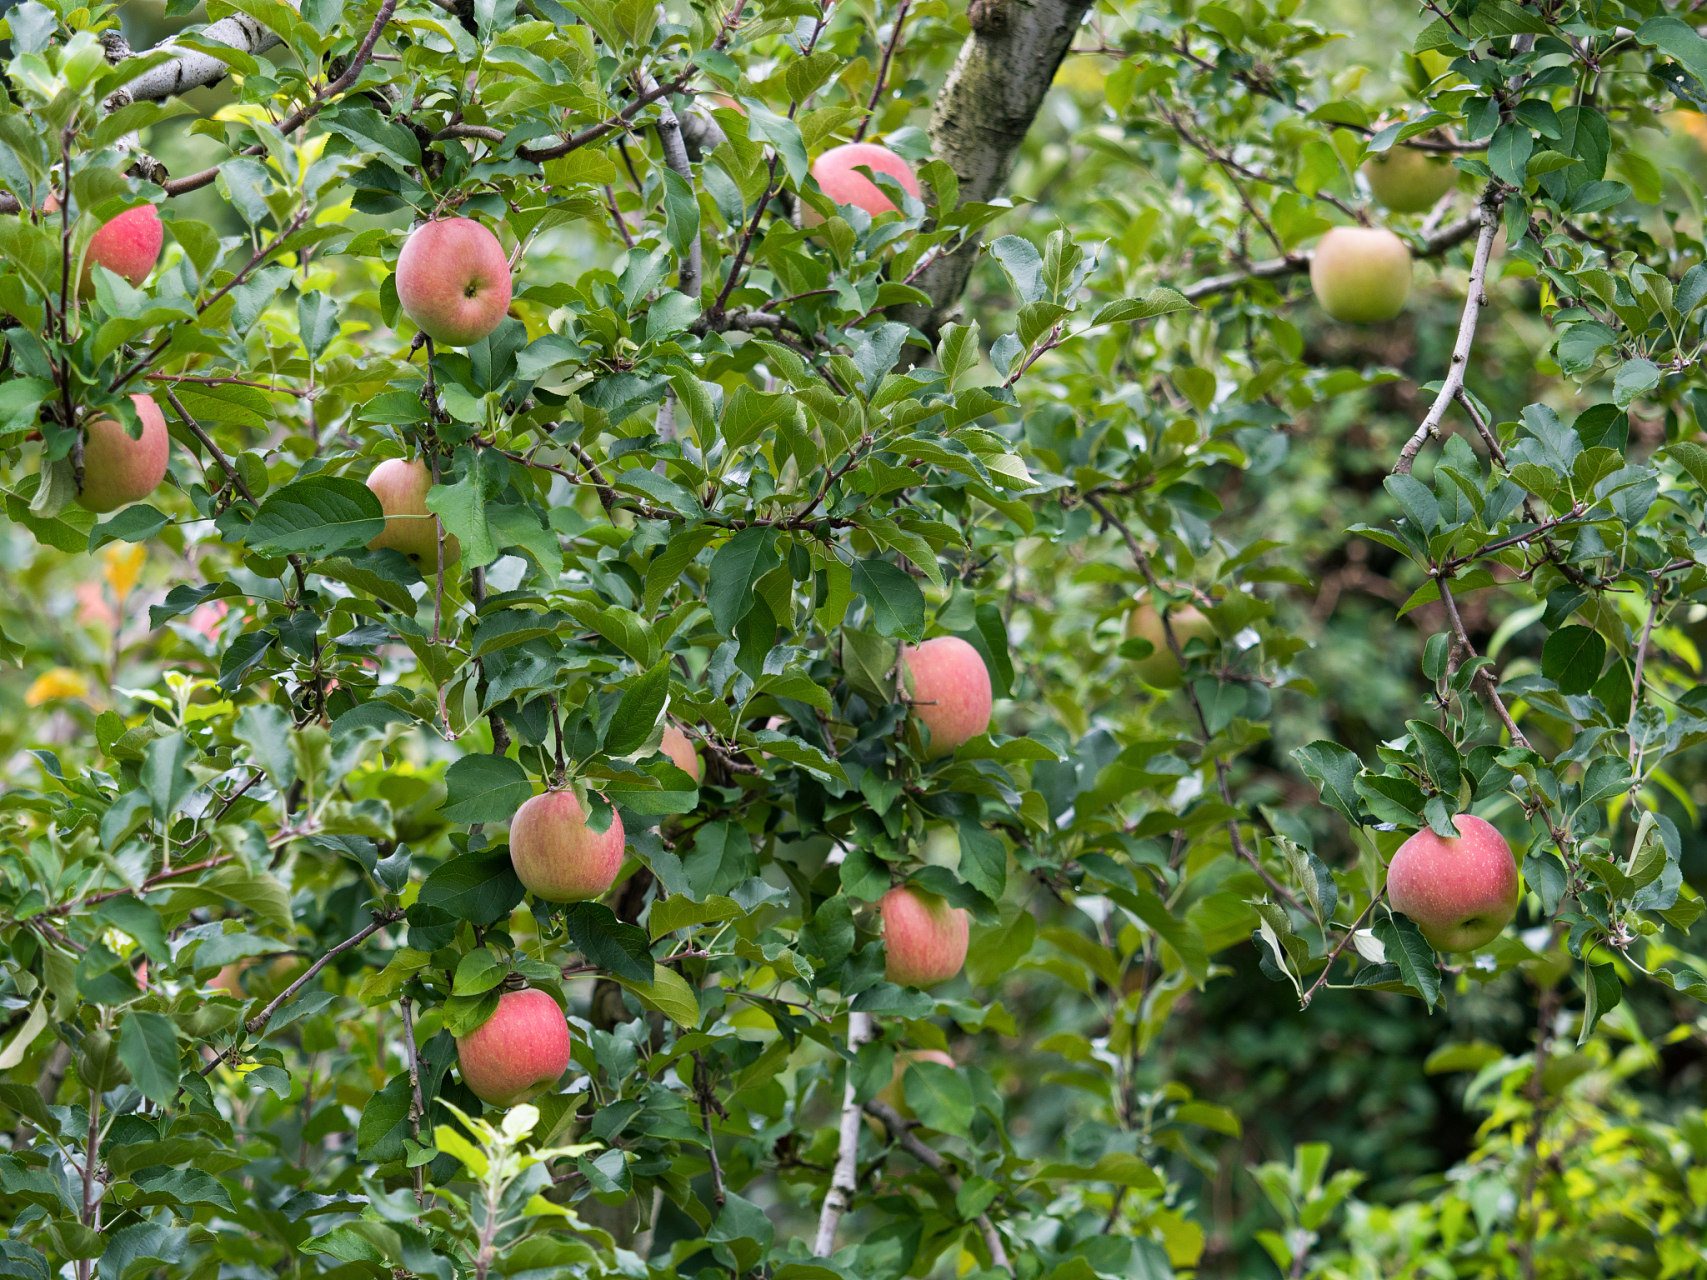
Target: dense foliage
(1260, 595)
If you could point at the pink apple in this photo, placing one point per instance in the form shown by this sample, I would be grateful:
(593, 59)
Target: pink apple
(453, 281)
(118, 470)
(519, 1052)
(1361, 275)
(679, 747)
(950, 688)
(557, 856)
(1461, 892)
(894, 1093)
(837, 172)
(401, 485)
(128, 246)
(924, 939)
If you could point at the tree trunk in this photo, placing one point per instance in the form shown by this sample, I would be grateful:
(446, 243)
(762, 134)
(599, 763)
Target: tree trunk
(982, 115)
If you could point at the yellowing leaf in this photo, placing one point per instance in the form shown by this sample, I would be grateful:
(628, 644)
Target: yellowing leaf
(124, 565)
(61, 682)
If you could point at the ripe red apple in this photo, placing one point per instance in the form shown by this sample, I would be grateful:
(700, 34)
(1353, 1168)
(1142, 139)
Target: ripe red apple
(1406, 180)
(1461, 892)
(950, 688)
(118, 470)
(129, 245)
(924, 939)
(679, 747)
(519, 1052)
(557, 856)
(1361, 274)
(1144, 623)
(837, 172)
(453, 281)
(894, 1093)
(401, 486)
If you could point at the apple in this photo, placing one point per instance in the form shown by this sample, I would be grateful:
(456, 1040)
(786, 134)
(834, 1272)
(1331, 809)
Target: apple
(950, 688)
(1406, 180)
(1461, 892)
(894, 1093)
(128, 246)
(453, 281)
(1160, 669)
(924, 939)
(557, 856)
(118, 470)
(837, 172)
(401, 486)
(1361, 274)
(519, 1052)
(679, 747)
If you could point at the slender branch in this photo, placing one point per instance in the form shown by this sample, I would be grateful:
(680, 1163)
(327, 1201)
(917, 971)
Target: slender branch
(877, 95)
(1433, 246)
(900, 1131)
(1477, 298)
(381, 919)
(1335, 953)
(417, 1109)
(845, 1180)
(1484, 679)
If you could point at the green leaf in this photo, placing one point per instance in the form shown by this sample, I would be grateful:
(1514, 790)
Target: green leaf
(1334, 770)
(637, 714)
(315, 517)
(939, 1096)
(1410, 952)
(669, 993)
(480, 888)
(607, 942)
(897, 603)
(1157, 302)
(477, 972)
(983, 859)
(136, 523)
(1604, 994)
(1572, 658)
(735, 570)
(148, 1045)
(680, 912)
(485, 788)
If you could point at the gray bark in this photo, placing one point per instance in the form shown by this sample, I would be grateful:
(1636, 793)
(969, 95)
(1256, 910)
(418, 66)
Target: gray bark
(191, 70)
(982, 115)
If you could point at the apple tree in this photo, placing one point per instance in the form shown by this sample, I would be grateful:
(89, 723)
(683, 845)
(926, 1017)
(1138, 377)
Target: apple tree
(701, 621)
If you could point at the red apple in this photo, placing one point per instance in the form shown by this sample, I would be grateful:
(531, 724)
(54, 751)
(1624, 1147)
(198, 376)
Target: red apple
(837, 172)
(924, 939)
(1361, 274)
(1461, 892)
(557, 856)
(401, 486)
(1406, 180)
(453, 281)
(894, 1093)
(679, 747)
(950, 688)
(519, 1052)
(118, 470)
(129, 245)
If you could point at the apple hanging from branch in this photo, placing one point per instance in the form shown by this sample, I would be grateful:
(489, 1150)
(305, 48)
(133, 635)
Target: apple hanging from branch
(453, 281)
(924, 938)
(1460, 893)
(1361, 275)
(401, 485)
(557, 856)
(519, 1052)
(118, 470)
(949, 686)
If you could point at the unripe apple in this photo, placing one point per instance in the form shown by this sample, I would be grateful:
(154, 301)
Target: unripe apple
(453, 281)
(1361, 275)
(557, 856)
(1406, 180)
(679, 747)
(1160, 668)
(401, 485)
(128, 246)
(1461, 892)
(837, 172)
(894, 1093)
(519, 1052)
(118, 470)
(924, 939)
(950, 688)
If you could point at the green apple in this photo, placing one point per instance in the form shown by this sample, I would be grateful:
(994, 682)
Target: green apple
(1361, 275)
(1406, 180)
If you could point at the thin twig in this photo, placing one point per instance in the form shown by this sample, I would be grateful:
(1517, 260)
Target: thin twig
(901, 1132)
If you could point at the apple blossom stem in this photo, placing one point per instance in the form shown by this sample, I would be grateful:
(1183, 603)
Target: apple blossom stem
(845, 1180)
(1476, 299)
(901, 1132)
